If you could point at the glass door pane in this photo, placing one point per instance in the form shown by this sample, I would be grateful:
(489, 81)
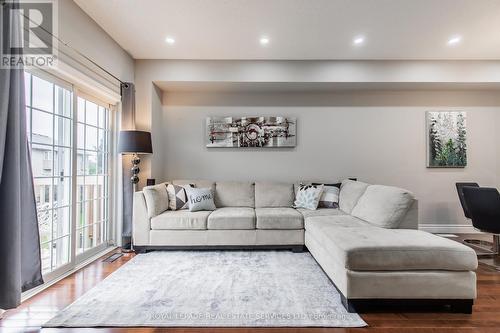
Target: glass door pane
(92, 161)
(49, 130)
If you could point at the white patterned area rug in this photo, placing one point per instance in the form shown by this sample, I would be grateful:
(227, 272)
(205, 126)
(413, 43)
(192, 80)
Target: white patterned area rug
(212, 289)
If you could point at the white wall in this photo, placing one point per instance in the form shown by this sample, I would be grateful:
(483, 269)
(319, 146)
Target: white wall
(378, 137)
(148, 73)
(82, 33)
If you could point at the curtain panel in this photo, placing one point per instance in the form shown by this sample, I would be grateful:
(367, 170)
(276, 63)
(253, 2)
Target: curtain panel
(127, 122)
(20, 263)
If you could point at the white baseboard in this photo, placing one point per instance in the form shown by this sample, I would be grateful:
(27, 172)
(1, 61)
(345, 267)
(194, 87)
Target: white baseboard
(448, 228)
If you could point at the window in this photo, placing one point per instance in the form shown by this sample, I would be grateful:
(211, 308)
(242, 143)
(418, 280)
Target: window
(59, 139)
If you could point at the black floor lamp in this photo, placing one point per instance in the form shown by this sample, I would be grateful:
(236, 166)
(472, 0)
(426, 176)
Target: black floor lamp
(132, 142)
(135, 143)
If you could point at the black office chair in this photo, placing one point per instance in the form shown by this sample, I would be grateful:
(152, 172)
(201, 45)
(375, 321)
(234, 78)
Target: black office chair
(482, 247)
(483, 204)
(460, 191)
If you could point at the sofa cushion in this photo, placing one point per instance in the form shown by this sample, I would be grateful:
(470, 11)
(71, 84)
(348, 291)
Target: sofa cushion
(320, 212)
(350, 192)
(234, 194)
(272, 194)
(383, 206)
(279, 218)
(156, 197)
(236, 218)
(339, 221)
(361, 247)
(180, 220)
(200, 183)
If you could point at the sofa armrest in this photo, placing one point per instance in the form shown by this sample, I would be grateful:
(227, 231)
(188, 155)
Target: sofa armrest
(141, 224)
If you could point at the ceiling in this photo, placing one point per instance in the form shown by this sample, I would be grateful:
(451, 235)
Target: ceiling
(301, 29)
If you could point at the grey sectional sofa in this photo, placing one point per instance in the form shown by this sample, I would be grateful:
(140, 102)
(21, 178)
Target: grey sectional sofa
(370, 247)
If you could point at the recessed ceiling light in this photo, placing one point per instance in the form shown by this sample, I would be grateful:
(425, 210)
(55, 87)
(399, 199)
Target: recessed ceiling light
(454, 40)
(170, 40)
(264, 40)
(359, 40)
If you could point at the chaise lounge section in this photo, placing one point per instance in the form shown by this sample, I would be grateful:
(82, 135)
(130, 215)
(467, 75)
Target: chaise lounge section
(369, 247)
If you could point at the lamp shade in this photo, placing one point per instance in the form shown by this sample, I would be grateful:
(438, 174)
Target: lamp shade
(135, 142)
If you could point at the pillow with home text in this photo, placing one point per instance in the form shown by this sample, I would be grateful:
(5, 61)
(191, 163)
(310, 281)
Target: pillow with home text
(200, 199)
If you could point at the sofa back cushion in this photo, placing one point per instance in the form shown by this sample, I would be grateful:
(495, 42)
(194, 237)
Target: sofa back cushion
(199, 183)
(156, 197)
(234, 194)
(273, 194)
(383, 206)
(350, 192)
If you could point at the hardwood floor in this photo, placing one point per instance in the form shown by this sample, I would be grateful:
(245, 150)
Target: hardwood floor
(34, 312)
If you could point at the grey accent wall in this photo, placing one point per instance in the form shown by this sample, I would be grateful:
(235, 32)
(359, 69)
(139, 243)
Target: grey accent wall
(378, 137)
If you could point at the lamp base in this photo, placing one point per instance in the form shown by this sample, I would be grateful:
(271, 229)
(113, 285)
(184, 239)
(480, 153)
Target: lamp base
(135, 169)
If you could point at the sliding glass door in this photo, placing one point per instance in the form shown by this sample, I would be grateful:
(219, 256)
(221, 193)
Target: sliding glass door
(70, 163)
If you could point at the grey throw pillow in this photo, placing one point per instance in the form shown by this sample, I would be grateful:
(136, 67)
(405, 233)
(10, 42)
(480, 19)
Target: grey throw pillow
(177, 198)
(200, 199)
(330, 197)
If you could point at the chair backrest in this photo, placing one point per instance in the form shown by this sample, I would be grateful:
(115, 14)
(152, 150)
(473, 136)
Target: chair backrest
(484, 207)
(460, 192)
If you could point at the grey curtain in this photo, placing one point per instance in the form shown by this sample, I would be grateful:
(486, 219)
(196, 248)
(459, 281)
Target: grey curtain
(128, 122)
(20, 266)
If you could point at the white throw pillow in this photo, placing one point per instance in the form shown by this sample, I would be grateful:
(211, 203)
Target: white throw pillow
(350, 192)
(383, 206)
(156, 197)
(308, 196)
(200, 199)
(177, 198)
